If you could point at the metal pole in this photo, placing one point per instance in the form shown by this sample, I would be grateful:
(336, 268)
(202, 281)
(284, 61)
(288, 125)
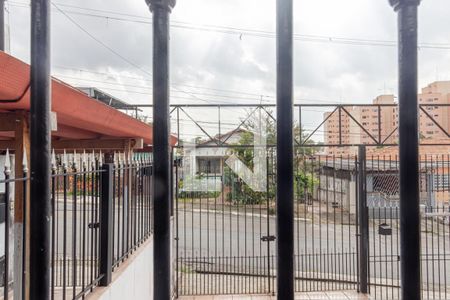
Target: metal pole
(285, 152)
(106, 221)
(7, 221)
(161, 129)
(409, 151)
(363, 222)
(40, 212)
(2, 25)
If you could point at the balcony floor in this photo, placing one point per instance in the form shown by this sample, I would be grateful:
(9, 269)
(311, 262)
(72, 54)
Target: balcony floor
(340, 295)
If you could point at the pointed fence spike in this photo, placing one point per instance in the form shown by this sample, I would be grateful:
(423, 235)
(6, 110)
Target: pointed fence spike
(53, 161)
(83, 158)
(100, 158)
(7, 162)
(25, 160)
(92, 158)
(74, 160)
(64, 160)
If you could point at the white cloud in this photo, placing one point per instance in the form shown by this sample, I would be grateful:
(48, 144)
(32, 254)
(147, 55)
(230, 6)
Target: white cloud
(327, 71)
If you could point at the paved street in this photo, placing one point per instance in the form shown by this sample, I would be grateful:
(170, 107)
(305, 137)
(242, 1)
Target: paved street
(217, 241)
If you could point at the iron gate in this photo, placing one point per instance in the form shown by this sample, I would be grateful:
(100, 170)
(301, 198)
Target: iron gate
(384, 226)
(225, 231)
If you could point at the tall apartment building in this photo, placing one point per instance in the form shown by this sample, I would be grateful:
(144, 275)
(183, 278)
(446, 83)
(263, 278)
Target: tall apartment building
(381, 122)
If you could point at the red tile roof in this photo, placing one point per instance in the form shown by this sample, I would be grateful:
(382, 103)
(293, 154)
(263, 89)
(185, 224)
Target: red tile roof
(78, 116)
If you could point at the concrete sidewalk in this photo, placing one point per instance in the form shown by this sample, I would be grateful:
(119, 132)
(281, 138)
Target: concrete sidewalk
(340, 295)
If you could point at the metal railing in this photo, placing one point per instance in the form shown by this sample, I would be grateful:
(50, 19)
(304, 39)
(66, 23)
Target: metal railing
(384, 223)
(92, 230)
(132, 207)
(225, 232)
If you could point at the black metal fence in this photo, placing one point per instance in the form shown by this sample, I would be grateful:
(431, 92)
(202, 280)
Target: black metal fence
(79, 204)
(75, 229)
(384, 248)
(225, 231)
(132, 208)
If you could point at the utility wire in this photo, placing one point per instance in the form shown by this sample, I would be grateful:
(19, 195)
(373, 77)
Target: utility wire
(100, 42)
(111, 15)
(207, 100)
(114, 51)
(177, 84)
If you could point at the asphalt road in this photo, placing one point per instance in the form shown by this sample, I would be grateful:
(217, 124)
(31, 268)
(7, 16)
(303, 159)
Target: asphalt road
(222, 237)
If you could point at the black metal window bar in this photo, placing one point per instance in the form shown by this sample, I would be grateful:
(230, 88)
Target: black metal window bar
(79, 204)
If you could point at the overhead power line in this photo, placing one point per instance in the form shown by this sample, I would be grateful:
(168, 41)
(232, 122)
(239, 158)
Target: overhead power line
(114, 51)
(126, 17)
(173, 83)
(146, 90)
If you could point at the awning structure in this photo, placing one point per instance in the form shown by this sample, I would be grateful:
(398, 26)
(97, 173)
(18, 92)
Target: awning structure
(81, 122)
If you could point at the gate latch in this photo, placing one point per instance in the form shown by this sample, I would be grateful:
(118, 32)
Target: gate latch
(93, 225)
(268, 238)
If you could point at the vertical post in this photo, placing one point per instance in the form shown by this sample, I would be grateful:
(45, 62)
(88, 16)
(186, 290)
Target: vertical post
(40, 212)
(7, 221)
(430, 191)
(161, 128)
(285, 152)
(363, 222)
(2, 25)
(409, 151)
(21, 206)
(106, 228)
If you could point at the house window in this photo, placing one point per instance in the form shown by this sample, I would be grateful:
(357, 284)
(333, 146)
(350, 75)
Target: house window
(209, 165)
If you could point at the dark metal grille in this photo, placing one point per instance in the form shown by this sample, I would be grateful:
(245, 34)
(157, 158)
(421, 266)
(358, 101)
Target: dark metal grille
(384, 213)
(132, 209)
(225, 234)
(75, 231)
(76, 188)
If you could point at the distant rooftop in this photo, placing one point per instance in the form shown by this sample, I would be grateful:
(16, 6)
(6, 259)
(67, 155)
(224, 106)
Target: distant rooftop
(104, 97)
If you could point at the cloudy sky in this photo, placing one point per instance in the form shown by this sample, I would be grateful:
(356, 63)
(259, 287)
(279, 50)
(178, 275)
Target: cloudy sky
(224, 50)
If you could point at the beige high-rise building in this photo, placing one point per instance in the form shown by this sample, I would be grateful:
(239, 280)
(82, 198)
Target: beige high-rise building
(432, 96)
(368, 124)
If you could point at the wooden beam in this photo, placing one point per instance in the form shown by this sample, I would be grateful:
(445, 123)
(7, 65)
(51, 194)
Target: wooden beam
(21, 201)
(8, 121)
(97, 144)
(11, 145)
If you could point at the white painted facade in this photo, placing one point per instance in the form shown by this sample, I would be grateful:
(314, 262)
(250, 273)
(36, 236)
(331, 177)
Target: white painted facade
(133, 280)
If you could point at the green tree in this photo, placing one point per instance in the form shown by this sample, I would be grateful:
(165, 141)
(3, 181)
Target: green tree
(303, 183)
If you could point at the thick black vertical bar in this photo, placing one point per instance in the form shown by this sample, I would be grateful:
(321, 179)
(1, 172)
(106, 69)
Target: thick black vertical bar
(24, 231)
(2, 25)
(285, 152)
(7, 221)
(363, 222)
(106, 229)
(162, 166)
(409, 151)
(40, 203)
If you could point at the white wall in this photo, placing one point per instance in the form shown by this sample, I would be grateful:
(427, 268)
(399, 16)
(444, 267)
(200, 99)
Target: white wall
(133, 279)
